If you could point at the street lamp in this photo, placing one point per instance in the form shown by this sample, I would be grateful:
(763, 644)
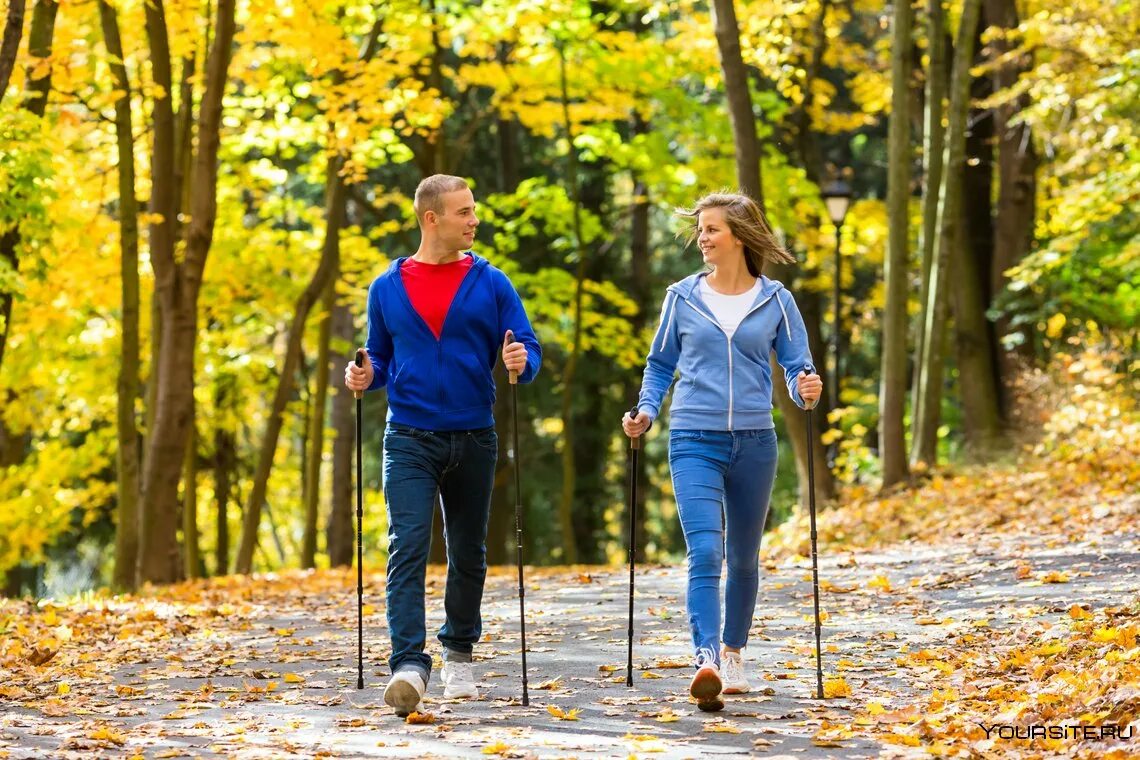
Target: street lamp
(837, 197)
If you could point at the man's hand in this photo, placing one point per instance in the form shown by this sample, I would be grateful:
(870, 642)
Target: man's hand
(810, 388)
(514, 354)
(358, 378)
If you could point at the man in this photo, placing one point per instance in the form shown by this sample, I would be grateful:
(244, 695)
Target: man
(436, 322)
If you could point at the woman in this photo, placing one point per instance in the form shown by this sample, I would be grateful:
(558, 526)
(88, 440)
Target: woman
(719, 327)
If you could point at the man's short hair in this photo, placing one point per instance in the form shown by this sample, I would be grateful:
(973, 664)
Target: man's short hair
(430, 192)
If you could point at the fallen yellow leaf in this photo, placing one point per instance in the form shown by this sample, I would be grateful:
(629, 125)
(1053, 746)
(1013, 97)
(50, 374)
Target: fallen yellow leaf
(294, 678)
(1077, 612)
(419, 719)
(561, 714)
(498, 748)
(880, 581)
(836, 687)
(722, 728)
(105, 734)
(63, 688)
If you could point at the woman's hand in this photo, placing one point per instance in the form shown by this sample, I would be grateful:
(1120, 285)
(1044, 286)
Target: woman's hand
(810, 388)
(634, 427)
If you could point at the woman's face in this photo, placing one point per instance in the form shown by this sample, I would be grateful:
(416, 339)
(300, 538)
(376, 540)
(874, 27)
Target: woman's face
(716, 242)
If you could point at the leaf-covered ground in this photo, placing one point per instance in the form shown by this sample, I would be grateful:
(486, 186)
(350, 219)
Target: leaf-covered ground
(991, 613)
(921, 645)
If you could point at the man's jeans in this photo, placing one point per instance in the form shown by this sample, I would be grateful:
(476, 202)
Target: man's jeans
(717, 472)
(459, 468)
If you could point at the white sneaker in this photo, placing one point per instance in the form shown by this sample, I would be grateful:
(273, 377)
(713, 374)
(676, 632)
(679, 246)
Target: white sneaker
(705, 687)
(458, 681)
(732, 673)
(404, 692)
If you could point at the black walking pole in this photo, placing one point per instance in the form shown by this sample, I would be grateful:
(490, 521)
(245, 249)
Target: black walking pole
(814, 560)
(514, 378)
(359, 536)
(634, 447)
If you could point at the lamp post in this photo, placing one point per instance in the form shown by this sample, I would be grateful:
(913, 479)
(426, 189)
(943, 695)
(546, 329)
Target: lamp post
(837, 197)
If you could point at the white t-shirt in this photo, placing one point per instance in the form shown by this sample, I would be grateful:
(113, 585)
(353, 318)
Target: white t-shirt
(729, 310)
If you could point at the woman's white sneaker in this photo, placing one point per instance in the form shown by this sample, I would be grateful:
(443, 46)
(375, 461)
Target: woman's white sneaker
(705, 687)
(458, 681)
(732, 674)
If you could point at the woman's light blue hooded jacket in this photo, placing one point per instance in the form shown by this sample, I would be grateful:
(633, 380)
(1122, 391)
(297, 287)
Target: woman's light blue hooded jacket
(725, 383)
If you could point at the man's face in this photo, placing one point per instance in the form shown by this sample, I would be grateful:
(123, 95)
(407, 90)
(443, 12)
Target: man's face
(455, 227)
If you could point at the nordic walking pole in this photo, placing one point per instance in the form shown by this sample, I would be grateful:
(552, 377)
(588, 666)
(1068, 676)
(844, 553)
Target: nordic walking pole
(634, 447)
(359, 535)
(514, 378)
(814, 560)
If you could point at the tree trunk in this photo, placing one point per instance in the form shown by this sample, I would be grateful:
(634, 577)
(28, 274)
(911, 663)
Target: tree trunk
(191, 555)
(317, 431)
(127, 520)
(177, 283)
(10, 46)
(500, 530)
(948, 225)
(924, 433)
(1017, 183)
(811, 158)
(892, 388)
(335, 202)
(569, 471)
(339, 537)
(748, 177)
(971, 260)
(225, 466)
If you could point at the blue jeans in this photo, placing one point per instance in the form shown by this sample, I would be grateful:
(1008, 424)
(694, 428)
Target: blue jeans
(722, 475)
(457, 468)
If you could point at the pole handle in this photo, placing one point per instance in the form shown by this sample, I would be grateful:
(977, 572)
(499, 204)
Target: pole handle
(635, 441)
(359, 363)
(512, 375)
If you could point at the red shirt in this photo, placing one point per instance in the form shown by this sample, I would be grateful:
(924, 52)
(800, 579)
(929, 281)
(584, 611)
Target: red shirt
(432, 287)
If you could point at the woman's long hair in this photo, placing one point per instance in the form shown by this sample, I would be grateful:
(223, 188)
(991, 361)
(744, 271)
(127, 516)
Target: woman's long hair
(747, 223)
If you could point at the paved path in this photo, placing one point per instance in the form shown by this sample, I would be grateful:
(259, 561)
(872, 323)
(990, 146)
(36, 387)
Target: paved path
(222, 686)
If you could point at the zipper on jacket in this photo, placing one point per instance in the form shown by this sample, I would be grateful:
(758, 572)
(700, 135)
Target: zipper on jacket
(731, 401)
(439, 370)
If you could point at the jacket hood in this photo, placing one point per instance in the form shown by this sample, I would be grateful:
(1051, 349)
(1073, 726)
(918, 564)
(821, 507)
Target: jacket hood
(686, 287)
(479, 263)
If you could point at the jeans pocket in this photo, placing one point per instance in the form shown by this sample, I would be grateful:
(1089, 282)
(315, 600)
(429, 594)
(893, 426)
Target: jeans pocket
(486, 439)
(404, 431)
(686, 435)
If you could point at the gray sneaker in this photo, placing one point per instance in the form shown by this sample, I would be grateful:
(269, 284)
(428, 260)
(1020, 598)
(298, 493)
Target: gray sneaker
(404, 692)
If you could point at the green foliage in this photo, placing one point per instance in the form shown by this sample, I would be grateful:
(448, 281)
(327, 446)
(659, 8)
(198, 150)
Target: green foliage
(25, 192)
